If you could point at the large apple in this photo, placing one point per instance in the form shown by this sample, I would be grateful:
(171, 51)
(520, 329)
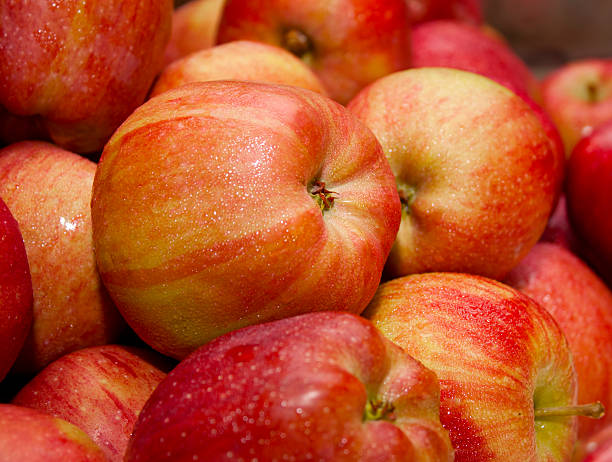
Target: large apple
(48, 190)
(222, 204)
(100, 389)
(194, 28)
(582, 306)
(589, 197)
(476, 171)
(348, 43)
(33, 436)
(15, 290)
(578, 97)
(320, 386)
(240, 60)
(507, 381)
(448, 43)
(76, 69)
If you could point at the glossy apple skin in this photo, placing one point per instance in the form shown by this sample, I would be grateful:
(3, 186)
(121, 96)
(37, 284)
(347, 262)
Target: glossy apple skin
(498, 355)
(353, 42)
(204, 221)
(582, 306)
(294, 389)
(589, 192)
(468, 11)
(48, 191)
(194, 28)
(15, 290)
(448, 43)
(578, 97)
(78, 69)
(239, 60)
(33, 436)
(477, 171)
(598, 448)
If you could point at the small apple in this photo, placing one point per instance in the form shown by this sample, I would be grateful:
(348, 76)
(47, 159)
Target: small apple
(15, 290)
(578, 97)
(240, 60)
(348, 43)
(448, 43)
(99, 389)
(194, 28)
(589, 197)
(76, 69)
(476, 170)
(48, 190)
(507, 381)
(287, 391)
(582, 306)
(33, 436)
(222, 204)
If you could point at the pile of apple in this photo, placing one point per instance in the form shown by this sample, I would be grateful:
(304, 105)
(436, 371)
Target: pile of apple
(273, 230)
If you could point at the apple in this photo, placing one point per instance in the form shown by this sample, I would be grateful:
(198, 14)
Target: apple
(33, 436)
(287, 391)
(240, 60)
(468, 11)
(578, 97)
(194, 28)
(48, 190)
(76, 69)
(589, 193)
(15, 290)
(222, 204)
(582, 306)
(450, 43)
(348, 43)
(476, 171)
(99, 389)
(507, 381)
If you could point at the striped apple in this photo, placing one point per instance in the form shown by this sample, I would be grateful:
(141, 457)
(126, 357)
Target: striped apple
(222, 204)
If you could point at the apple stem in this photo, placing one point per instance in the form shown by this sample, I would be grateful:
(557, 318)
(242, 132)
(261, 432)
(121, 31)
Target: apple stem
(297, 42)
(592, 410)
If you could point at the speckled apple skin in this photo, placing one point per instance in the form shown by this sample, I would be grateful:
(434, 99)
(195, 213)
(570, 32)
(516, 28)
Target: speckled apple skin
(582, 306)
(483, 170)
(239, 60)
(48, 191)
(15, 290)
(99, 389)
(354, 41)
(33, 436)
(294, 389)
(565, 97)
(78, 68)
(497, 355)
(202, 216)
(589, 197)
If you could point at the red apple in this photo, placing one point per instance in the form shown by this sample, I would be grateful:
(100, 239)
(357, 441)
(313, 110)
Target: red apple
(589, 197)
(578, 97)
(598, 448)
(48, 190)
(582, 306)
(287, 391)
(469, 11)
(194, 28)
(33, 436)
(448, 43)
(77, 69)
(221, 204)
(240, 60)
(348, 43)
(507, 381)
(476, 171)
(15, 291)
(100, 389)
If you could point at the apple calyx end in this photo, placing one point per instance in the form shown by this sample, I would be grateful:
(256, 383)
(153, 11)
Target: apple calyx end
(379, 410)
(297, 42)
(407, 195)
(594, 410)
(323, 196)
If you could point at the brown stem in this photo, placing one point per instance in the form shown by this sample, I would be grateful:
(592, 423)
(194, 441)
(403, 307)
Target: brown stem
(592, 410)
